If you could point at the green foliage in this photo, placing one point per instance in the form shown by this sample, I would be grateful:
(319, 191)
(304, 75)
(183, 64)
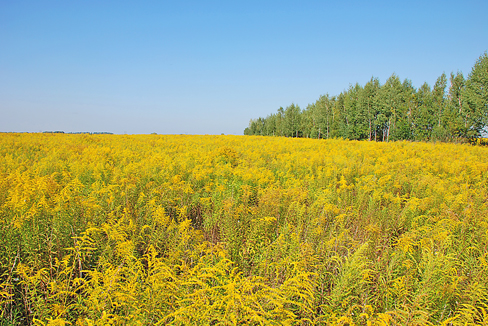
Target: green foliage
(476, 96)
(392, 111)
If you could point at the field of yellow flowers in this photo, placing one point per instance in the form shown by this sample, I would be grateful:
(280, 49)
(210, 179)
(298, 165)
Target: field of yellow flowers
(227, 230)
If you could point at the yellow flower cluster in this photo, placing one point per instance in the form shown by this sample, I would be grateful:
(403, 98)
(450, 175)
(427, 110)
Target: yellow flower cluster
(227, 230)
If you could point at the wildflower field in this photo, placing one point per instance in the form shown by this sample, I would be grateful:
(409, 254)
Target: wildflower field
(227, 230)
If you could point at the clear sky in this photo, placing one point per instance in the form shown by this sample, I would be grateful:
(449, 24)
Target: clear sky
(208, 67)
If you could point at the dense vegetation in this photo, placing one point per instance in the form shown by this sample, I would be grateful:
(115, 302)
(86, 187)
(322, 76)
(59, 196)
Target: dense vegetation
(393, 111)
(226, 230)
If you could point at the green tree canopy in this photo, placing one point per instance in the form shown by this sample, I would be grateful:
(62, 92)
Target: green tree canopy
(392, 111)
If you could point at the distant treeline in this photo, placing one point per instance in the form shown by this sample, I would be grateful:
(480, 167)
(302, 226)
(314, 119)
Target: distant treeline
(60, 132)
(395, 110)
(79, 132)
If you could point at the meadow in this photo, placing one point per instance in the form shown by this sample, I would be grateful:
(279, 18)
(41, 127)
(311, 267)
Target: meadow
(248, 230)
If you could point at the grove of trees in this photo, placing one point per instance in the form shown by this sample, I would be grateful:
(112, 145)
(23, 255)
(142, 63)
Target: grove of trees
(455, 108)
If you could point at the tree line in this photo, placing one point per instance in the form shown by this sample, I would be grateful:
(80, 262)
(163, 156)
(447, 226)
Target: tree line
(395, 110)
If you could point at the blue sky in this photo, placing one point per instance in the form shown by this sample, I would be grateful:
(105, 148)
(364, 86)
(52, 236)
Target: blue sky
(208, 67)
